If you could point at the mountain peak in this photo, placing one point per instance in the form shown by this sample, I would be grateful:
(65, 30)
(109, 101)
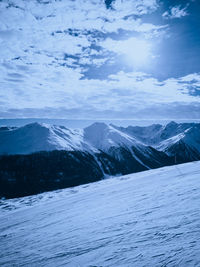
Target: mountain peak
(172, 124)
(98, 126)
(36, 125)
(95, 133)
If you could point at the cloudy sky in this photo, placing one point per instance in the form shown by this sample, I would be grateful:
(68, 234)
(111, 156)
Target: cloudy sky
(131, 59)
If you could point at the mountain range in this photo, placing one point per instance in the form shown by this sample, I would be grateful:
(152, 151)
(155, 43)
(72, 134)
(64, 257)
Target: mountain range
(39, 157)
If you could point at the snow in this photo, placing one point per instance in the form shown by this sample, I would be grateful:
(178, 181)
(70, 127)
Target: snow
(189, 136)
(150, 219)
(169, 142)
(99, 137)
(192, 137)
(103, 137)
(163, 137)
(36, 137)
(188, 133)
(147, 135)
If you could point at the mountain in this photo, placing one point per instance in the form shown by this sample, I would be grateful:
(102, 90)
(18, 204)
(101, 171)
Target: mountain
(147, 135)
(185, 145)
(39, 157)
(37, 137)
(104, 137)
(180, 140)
(122, 146)
(146, 219)
(94, 139)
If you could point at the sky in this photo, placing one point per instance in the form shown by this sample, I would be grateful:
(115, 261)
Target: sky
(96, 59)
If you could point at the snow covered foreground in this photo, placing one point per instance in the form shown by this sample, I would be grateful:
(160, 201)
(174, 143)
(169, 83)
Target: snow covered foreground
(150, 218)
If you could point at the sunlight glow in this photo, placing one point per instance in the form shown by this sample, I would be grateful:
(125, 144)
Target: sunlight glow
(137, 51)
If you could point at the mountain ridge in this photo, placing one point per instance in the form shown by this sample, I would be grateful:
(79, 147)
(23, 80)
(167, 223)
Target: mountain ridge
(96, 137)
(40, 157)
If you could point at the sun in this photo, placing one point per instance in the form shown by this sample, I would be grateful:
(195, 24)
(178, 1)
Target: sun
(137, 51)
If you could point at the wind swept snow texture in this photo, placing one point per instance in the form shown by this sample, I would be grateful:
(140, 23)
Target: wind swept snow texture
(146, 219)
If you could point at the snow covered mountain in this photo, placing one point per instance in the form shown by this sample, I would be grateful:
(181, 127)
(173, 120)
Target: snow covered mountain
(186, 141)
(36, 137)
(181, 140)
(122, 146)
(96, 138)
(39, 157)
(104, 137)
(146, 219)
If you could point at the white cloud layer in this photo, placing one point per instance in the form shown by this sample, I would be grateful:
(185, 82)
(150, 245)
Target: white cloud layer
(120, 93)
(175, 12)
(45, 49)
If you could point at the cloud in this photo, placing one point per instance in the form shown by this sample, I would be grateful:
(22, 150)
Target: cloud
(122, 94)
(37, 33)
(175, 12)
(168, 111)
(83, 15)
(46, 50)
(137, 7)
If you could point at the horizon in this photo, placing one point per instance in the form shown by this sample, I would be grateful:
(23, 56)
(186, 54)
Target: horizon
(82, 123)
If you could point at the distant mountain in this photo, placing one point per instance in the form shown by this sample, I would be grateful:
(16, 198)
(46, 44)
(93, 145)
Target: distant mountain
(37, 137)
(176, 140)
(185, 145)
(95, 139)
(148, 135)
(62, 157)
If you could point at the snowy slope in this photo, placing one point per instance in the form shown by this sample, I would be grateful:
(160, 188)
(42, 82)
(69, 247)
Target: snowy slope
(173, 138)
(103, 137)
(184, 145)
(99, 136)
(145, 219)
(41, 137)
(109, 139)
(190, 136)
(148, 134)
(96, 138)
(156, 134)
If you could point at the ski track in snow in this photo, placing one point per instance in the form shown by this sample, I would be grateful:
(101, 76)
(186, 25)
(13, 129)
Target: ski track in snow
(145, 219)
